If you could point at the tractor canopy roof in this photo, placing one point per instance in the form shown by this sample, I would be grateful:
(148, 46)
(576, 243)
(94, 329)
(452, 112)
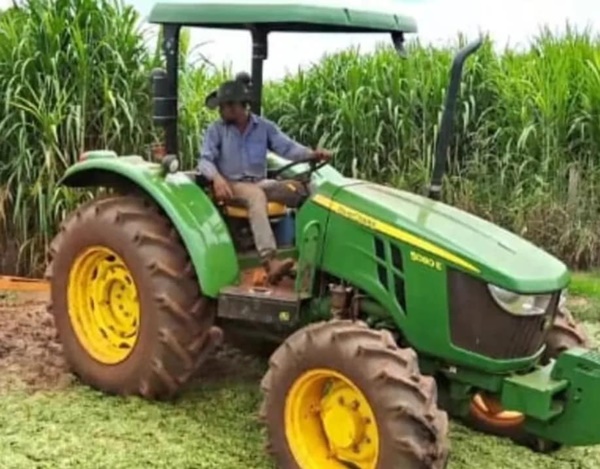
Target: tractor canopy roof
(280, 15)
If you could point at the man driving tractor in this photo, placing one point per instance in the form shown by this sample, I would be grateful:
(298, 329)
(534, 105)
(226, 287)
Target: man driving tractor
(234, 159)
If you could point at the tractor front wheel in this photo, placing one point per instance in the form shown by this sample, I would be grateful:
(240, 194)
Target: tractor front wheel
(338, 395)
(565, 333)
(126, 300)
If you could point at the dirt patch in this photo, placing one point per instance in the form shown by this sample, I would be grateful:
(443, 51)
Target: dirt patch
(30, 355)
(578, 302)
(229, 364)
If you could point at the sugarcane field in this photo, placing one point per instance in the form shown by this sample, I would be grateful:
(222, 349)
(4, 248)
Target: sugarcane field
(377, 252)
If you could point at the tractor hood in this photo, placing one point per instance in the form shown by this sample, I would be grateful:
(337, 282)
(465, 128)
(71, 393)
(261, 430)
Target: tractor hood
(452, 236)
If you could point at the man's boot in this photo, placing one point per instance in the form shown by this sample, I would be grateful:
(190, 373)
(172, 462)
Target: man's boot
(277, 269)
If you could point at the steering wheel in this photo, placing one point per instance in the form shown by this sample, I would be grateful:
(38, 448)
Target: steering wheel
(314, 165)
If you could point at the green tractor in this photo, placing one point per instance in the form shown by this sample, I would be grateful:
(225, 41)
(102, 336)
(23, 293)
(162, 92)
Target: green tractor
(401, 309)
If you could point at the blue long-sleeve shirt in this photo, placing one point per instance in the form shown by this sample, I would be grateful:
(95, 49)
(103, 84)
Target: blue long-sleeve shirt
(236, 155)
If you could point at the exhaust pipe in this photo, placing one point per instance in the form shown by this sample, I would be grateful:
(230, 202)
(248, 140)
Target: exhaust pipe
(447, 125)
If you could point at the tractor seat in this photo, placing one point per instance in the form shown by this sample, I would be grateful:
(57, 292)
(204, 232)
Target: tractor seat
(237, 209)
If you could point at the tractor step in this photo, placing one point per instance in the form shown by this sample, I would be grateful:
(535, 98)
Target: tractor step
(278, 307)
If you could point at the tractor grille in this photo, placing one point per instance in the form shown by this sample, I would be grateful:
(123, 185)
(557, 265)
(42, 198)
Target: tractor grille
(479, 325)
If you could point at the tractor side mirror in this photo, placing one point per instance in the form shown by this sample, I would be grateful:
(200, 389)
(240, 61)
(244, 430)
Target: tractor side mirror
(164, 106)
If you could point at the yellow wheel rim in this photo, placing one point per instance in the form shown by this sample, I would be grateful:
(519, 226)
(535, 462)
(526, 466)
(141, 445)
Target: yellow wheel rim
(103, 305)
(329, 423)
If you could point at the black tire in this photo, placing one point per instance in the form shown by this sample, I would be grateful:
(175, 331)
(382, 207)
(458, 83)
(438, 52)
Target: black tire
(176, 329)
(564, 334)
(412, 430)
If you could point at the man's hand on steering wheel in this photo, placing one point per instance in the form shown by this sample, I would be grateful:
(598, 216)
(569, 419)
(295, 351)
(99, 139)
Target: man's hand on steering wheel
(321, 154)
(316, 159)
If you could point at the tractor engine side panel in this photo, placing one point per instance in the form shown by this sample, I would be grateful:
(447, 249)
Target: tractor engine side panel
(406, 282)
(413, 287)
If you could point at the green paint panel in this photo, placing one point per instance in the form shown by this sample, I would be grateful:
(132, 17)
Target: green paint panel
(198, 222)
(283, 16)
(98, 154)
(350, 252)
(503, 258)
(573, 382)
(310, 239)
(533, 394)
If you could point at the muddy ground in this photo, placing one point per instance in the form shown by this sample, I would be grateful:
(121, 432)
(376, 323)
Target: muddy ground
(31, 356)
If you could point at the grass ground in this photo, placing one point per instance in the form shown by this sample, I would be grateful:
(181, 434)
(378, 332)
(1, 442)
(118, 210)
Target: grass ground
(47, 420)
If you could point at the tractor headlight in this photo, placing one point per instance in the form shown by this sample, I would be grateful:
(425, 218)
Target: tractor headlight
(518, 304)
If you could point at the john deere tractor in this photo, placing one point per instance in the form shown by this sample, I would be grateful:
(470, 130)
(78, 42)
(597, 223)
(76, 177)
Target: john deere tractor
(400, 311)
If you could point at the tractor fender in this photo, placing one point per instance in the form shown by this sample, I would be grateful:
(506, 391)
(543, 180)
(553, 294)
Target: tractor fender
(190, 210)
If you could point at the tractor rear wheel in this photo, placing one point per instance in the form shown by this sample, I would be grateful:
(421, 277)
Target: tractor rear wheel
(126, 300)
(338, 394)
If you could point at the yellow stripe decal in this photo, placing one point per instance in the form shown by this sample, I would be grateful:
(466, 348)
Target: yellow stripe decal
(391, 231)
